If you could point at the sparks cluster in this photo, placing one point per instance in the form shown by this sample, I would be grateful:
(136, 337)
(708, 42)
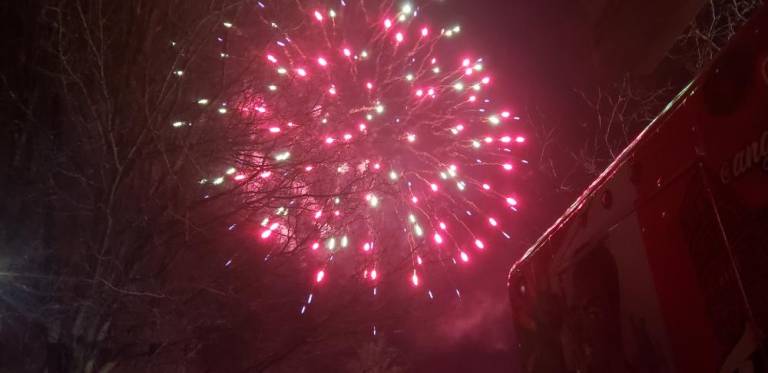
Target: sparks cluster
(375, 139)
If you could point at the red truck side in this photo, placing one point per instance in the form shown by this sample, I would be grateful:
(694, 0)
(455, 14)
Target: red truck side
(662, 264)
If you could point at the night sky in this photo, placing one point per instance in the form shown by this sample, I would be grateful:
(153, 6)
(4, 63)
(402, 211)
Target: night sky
(542, 54)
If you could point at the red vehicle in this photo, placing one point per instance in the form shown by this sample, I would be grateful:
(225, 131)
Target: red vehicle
(662, 264)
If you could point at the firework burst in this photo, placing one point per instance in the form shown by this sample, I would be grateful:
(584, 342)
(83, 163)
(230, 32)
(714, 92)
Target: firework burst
(377, 140)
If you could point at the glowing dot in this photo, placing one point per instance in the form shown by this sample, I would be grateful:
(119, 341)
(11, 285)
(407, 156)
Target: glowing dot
(271, 58)
(393, 175)
(458, 86)
(266, 234)
(387, 23)
(520, 139)
(511, 201)
(436, 69)
(332, 13)
(203, 101)
(443, 226)
(218, 180)
(374, 201)
(272, 87)
(319, 276)
(464, 257)
(178, 124)
(179, 72)
(282, 156)
(364, 54)
(282, 71)
(347, 137)
(331, 244)
(468, 71)
(315, 246)
(407, 8)
(374, 274)
(301, 72)
(411, 137)
(329, 140)
(433, 186)
(493, 222)
(438, 239)
(274, 129)
(318, 16)
(265, 174)
(479, 244)
(347, 52)
(505, 139)
(227, 24)
(486, 80)
(419, 261)
(308, 168)
(505, 114)
(361, 126)
(415, 199)
(239, 177)
(415, 279)
(424, 31)
(488, 139)
(507, 166)
(222, 110)
(367, 246)
(494, 120)
(379, 109)
(332, 90)
(465, 62)
(321, 61)
(409, 77)
(419, 92)
(369, 85)
(431, 92)
(486, 187)
(399, 37)
(344, 241)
